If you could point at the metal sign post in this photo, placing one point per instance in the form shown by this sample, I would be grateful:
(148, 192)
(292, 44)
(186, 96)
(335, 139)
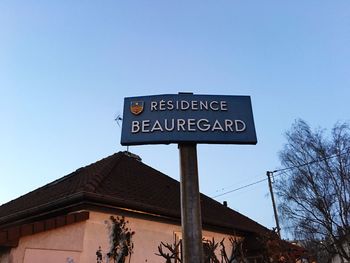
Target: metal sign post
(190, 205)
(188, 119)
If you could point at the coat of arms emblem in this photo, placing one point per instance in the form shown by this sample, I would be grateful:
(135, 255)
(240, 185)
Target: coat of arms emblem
(136, 107)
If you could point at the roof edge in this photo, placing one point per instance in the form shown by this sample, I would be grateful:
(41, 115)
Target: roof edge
(39, 210)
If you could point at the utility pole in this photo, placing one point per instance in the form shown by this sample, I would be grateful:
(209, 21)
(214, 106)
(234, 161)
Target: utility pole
(273, 203)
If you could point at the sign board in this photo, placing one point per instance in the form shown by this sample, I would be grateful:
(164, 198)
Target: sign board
(188, 118)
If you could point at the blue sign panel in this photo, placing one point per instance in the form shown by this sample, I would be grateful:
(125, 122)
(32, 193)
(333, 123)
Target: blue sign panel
(188, 118)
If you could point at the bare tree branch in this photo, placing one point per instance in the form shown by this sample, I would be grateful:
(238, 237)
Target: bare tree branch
(315, 194)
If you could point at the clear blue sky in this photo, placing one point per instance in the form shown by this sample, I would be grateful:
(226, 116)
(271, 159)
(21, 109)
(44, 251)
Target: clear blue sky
(65, 67)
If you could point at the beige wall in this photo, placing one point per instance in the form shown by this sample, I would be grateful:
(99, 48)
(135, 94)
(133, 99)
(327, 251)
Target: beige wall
(147, 238)
(79, 242)
(50, 246)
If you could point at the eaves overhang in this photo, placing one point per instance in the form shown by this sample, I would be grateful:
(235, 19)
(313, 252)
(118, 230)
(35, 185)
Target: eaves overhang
(83, 200)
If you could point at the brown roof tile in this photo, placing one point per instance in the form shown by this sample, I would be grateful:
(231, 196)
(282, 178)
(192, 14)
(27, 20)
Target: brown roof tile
(123, 181)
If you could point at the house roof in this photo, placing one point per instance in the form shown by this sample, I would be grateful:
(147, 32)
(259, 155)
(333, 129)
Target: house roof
(121, 180)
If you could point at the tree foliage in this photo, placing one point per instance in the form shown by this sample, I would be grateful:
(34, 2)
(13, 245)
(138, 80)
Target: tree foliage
(314, 194)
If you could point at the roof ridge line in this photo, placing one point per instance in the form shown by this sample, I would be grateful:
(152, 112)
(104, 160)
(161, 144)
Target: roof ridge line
(43, 186)
(96, 179)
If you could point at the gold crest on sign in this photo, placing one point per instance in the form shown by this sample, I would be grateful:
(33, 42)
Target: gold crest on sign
(136, 107)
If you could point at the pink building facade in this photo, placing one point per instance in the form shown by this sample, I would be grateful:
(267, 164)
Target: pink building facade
(79, 242)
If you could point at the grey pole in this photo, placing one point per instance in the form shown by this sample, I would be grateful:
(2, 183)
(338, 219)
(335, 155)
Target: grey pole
(273, 203)
(190, 205)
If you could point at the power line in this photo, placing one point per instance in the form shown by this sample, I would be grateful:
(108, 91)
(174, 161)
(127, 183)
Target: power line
(282, 171)
(239, 188)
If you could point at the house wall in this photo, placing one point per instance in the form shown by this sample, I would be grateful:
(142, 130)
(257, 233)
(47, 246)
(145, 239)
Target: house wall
(52, 246)
(78, 243)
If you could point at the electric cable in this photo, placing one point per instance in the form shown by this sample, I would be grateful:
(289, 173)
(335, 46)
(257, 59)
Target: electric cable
(280, 172)
(239, 188)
